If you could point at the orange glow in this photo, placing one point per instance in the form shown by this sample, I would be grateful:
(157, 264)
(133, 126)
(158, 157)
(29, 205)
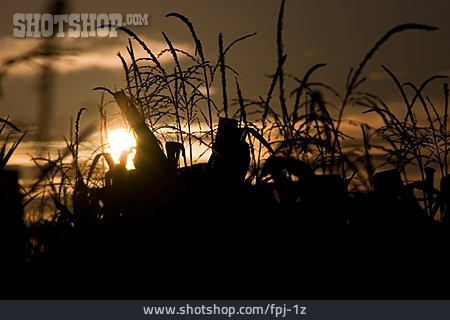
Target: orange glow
(121, 140)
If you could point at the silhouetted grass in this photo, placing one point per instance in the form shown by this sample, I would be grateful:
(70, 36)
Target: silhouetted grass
(290, 146)
(5, 151)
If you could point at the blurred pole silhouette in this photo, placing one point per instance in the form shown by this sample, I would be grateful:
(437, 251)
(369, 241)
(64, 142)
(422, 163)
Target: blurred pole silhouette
(46, 81)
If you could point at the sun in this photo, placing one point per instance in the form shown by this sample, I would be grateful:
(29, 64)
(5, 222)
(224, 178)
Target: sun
(119, 141)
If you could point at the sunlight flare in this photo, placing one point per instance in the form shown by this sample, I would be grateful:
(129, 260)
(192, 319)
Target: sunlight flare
(120, 141)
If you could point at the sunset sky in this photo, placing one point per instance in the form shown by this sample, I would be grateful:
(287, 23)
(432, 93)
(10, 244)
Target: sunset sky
(338, 33)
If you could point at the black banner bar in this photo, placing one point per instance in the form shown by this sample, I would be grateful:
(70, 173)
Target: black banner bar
(224, 309)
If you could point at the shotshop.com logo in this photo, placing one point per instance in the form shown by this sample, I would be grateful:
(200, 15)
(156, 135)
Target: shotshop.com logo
(74, 25)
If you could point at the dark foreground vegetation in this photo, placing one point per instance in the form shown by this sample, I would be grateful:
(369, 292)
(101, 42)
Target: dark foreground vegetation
(285, 206)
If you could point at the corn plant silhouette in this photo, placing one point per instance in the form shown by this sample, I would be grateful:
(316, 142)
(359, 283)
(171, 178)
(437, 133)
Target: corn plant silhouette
(280, 176)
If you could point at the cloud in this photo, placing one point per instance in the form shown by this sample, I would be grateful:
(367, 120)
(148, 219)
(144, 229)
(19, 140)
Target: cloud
(79, 53)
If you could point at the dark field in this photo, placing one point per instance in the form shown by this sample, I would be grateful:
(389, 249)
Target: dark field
(288, 204)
